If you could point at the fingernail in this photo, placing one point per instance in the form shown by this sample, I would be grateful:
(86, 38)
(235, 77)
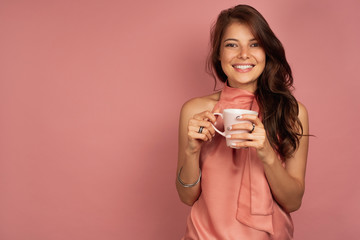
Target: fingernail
(229, 128)
(228, 136)
(233, 144)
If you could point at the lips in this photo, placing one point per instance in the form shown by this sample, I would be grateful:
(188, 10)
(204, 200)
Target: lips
(243, 68)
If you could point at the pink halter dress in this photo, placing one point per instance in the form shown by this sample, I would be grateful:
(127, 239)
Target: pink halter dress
(236, 201)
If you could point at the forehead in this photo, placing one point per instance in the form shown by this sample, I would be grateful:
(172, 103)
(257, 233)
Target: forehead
(237, 30)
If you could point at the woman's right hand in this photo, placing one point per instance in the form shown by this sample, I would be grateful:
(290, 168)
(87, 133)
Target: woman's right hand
(195, 113)
(195, 138)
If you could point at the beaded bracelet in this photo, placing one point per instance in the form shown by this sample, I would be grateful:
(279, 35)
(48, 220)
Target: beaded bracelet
(188, 185)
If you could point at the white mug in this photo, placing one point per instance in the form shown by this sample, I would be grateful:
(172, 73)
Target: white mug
(231, 117)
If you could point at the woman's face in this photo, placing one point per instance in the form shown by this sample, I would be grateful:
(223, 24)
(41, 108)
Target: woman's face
(242, 59)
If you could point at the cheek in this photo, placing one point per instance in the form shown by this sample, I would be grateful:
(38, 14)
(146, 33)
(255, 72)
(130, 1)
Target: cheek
(261, 60)
(260, 57)
(222, 57)
(224, 67)
(226, 55)
(262, 64)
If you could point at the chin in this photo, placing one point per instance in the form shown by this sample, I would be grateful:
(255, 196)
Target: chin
(242, 83)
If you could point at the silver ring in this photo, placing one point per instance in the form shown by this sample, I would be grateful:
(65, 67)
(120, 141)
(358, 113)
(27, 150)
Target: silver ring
(200, 129)
(252, 128)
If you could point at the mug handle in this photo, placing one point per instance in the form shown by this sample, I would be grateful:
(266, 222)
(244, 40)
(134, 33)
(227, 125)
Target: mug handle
(217, 130)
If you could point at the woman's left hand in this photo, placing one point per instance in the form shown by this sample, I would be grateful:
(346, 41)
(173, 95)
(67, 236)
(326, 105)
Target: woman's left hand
(257, 138)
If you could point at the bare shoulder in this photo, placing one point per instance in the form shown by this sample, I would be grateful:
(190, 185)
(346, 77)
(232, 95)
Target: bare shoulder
(302, 110)
(303, 116)
(200, 104)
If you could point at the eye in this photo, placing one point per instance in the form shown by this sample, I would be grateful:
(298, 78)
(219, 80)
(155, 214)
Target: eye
(231, 45)
(255, 45)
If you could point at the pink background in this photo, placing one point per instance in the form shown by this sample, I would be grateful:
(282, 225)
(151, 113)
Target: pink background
(90, 93)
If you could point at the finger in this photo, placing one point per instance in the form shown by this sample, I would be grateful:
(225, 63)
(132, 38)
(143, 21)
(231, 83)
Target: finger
(203, 123)
(217, 110)
(247, 136)
(211, 117)
(209, 130)
(241, 136)
(208, 134)
(245, 144)
(206, 115)
(204, 131)
(242, 126)
(251, 118)
(198, 123)
(209, 127)
(198, 136)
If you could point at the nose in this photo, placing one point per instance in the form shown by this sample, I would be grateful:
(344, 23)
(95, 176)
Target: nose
(243, 53)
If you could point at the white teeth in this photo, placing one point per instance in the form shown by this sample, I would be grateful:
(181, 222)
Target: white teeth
(243, 66)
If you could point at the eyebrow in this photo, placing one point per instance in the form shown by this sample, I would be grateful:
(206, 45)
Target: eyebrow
(231, 39)
(234, 39)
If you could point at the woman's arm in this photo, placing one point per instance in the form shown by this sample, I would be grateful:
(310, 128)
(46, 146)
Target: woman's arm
(190, 142)
(287, 184)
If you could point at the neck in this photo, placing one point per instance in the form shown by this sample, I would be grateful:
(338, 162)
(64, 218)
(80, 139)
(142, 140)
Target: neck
(247, 87)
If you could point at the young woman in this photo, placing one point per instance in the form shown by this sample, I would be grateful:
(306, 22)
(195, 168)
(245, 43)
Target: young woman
(248, 191)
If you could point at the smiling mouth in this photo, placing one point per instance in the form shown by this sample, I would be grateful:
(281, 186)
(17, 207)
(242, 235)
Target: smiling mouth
(244, 66)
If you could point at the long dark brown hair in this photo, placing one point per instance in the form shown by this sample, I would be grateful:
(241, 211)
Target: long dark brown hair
(278, 107)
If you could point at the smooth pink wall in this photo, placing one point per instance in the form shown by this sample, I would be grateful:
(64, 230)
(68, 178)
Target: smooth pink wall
(90, 93)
